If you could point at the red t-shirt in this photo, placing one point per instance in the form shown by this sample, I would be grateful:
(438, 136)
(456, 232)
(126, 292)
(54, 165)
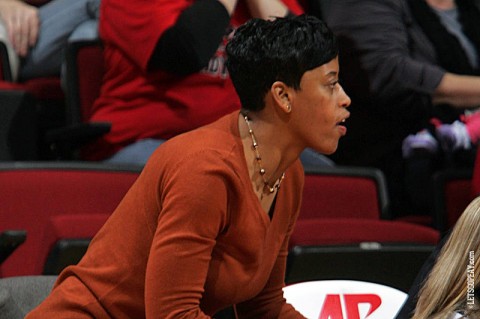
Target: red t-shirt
(156, 104)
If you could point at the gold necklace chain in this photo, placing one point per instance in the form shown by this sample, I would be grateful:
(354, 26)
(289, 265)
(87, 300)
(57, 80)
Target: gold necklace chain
(258, 158)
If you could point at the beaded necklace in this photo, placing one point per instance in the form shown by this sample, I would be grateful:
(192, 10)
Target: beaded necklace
(258, 158)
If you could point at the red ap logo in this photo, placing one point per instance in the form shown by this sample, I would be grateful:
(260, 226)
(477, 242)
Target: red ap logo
(332, 306)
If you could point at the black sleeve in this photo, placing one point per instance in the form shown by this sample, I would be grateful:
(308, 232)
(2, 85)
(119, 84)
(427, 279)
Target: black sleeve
(189, 44)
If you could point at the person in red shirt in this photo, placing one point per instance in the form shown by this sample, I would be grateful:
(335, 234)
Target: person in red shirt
(165, 69)
(207, 223)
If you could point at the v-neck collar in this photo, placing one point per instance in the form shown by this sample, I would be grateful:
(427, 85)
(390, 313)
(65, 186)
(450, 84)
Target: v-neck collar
(267, 217)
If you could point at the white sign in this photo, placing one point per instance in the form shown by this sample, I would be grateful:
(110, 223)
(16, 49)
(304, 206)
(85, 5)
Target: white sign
(344, 299)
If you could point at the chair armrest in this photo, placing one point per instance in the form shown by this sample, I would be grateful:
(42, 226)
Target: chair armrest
(65, 140)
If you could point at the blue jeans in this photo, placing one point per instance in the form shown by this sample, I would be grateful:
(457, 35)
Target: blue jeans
(136, 153)
(60, 21)
(313, 158)
(139, 152)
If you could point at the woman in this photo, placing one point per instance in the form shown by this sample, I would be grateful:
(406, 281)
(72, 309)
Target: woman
(451, 290)
(207, 223)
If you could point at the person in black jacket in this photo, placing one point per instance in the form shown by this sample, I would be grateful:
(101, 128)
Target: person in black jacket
(404, 64)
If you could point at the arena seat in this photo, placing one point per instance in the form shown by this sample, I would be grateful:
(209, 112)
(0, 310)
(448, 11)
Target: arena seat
(452, 192)
(344, 192)
(83, 78)
(56, 200)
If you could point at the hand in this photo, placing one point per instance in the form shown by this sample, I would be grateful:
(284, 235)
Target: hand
(22, 23)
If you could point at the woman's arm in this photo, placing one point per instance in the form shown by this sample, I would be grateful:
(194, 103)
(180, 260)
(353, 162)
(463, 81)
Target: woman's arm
(381, 34)
(176, 36)
(376, 38)
(191, 218)
(462, 91)
(270, 303)
(187, 46)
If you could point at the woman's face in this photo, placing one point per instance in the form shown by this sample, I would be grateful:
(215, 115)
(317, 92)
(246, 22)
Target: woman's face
(319, 108)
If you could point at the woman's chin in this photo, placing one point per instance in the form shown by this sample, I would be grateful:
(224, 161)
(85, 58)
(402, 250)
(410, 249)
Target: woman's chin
(327, 150)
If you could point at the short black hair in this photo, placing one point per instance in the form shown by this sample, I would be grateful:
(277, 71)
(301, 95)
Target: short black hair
(264, 51)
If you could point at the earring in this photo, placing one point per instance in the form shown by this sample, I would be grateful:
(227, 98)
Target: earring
(289, 107)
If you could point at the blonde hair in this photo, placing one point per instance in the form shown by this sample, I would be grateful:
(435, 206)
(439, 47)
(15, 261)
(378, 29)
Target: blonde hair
(445, 290)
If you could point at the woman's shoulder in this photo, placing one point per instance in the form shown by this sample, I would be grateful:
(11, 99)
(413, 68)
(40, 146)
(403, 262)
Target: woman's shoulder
(198, 150)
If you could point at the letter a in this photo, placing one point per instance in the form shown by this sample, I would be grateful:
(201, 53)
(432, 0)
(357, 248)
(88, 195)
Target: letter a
(332, 308)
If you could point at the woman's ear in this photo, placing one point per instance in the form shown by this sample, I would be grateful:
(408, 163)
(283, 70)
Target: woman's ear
(282, 95)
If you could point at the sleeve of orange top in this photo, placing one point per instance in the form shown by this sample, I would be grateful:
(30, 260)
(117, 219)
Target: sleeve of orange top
(191, 217)
(270, 303)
